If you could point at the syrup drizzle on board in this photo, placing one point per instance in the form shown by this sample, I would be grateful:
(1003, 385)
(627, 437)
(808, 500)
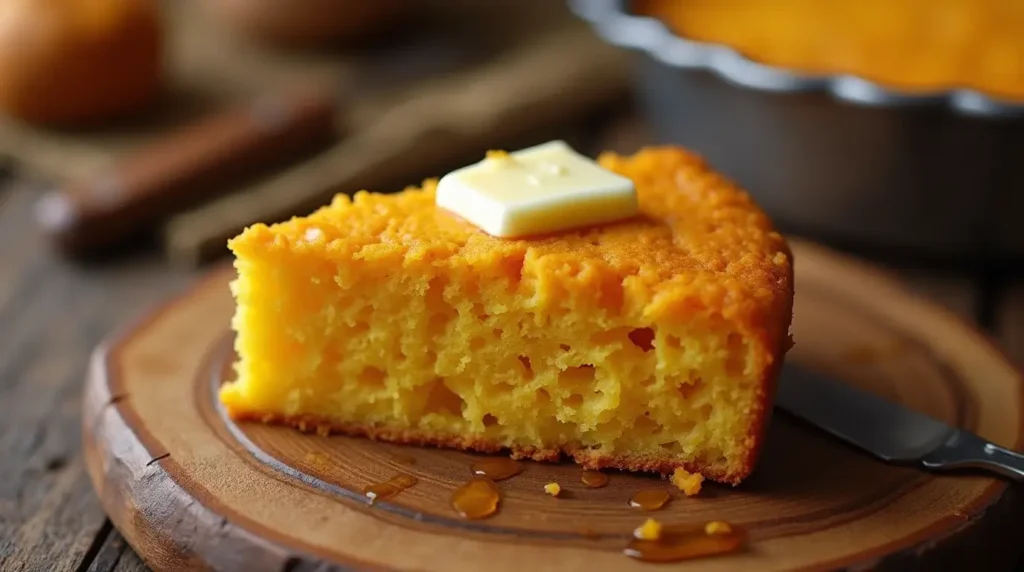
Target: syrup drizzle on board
(390, 487)
(594, 479)
(685, 543)
(496, 468)
(477, 498)
(650, 499)
(480, 497)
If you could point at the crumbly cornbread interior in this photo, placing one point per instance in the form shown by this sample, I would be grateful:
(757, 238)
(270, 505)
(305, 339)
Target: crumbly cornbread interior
(648, 344)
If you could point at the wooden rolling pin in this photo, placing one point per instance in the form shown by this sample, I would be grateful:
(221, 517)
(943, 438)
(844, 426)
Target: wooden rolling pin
(550, 81)
(189, 166)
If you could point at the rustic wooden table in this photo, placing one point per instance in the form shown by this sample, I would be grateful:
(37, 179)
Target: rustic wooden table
(52, 314)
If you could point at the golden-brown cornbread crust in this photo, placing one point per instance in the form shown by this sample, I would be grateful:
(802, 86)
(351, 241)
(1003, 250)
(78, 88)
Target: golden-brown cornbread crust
(698, 240)
(700, 243)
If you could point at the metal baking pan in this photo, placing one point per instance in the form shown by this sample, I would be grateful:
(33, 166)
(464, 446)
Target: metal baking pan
(937, 175)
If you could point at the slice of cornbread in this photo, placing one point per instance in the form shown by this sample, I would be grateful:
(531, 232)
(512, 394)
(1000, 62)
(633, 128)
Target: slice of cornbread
(648, 344)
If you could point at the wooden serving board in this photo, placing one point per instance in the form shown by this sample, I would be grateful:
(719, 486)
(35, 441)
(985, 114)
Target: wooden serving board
(190, 489)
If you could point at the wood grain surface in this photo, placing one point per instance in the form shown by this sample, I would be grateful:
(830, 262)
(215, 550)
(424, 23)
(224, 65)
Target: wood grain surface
(189, 488)
(52, 313)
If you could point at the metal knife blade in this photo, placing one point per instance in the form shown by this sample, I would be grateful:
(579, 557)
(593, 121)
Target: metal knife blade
(886, 429)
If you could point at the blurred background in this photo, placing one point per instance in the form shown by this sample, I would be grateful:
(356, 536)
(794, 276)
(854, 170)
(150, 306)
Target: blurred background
(889, 128)
(136, 136)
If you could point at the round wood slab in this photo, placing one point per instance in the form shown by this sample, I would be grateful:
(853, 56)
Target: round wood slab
(190, 489)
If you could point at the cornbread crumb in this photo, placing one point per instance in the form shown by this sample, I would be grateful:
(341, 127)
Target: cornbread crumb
(553, 489)
(650, 530)
(497, 154)
(717, 527)
(687, 482)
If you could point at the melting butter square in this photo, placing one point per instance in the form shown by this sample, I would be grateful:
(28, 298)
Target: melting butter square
(542, 189)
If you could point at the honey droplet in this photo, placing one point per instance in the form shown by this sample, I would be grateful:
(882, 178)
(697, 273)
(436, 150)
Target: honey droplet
(594, 479)
(496, 468)
(476, 499)
(717, 527)
(389, 488)
(677, 544)
(650, 500)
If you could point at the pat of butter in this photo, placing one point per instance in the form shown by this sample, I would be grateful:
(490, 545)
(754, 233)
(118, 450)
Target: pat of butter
(542, 189)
